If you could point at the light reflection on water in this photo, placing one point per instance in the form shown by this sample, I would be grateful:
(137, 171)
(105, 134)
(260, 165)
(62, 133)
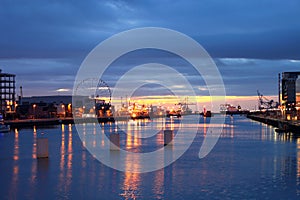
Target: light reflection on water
(15, 167)
(65, 161)
(61, 183)
(249, 161)
(16, 145)
(34, 146)
(298, 166)
(131, 184)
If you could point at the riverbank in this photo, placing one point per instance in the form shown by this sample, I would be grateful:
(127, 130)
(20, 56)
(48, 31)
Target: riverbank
(53, 121)
(67, 120)
(284, 125)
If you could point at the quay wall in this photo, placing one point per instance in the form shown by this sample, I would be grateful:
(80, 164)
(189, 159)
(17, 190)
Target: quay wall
(288, 126)
(52, 121)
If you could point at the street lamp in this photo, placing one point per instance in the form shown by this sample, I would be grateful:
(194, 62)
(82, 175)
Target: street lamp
(63, 110)
(34, 106)
(69, 110)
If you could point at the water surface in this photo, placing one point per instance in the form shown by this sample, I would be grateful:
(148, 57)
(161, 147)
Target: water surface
(250, 161)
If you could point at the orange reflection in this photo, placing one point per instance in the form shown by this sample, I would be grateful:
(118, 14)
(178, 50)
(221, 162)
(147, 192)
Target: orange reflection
(65, 175)
(14, 183)
(160, 137)
(70, 127)
(94, 133)
(70, 149)
(83, 158)
(204, 126)
(131, 185)
(62, 152)
(133, 133)
(34, 147)
(128, 141)
(136, 139)
(159, 184)
(16, 145)
(298, 165)
(33, 174)
(160, 125)
(16, 170)
(131, 182)
(172, 124)
(94, 143)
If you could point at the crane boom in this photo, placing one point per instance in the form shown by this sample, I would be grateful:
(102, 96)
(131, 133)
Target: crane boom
(265, 103)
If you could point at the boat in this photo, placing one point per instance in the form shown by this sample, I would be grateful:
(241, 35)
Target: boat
(3, 127)
(279, 130)
(282, 128)
(173, 113)
(206, 114)
(139, 115)
(229, 109)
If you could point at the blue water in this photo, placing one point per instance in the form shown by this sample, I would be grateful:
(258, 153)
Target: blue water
(250, 161)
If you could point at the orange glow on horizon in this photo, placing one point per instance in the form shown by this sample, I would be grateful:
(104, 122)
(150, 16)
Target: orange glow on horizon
(246, 102)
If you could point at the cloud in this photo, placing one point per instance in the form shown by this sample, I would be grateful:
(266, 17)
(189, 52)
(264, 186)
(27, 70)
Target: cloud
(41, 76)
(52, 29)
(44, 42)
(63, 90)
(245, 76)
(241, 76)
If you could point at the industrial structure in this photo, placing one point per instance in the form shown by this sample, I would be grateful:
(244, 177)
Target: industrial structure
(36, 107)
(44, 106)
(265, 103)
(289, 95)
(93, 102)
(7, 94)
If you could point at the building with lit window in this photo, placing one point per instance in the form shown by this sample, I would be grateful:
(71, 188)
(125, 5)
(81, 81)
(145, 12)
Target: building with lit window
(44, 107)
(7, 93)
(290, 95)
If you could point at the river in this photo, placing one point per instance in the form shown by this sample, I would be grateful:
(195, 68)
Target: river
(249, 161)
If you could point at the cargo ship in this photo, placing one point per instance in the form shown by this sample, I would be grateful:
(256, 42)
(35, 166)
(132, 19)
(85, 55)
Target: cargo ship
(229, 109)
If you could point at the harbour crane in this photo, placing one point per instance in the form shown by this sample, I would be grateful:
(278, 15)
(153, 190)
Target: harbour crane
(265, 103)
(185, 106)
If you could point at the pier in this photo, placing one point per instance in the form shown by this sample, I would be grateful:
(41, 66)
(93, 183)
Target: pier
(285, 125)
(285, 113)
(53, 121)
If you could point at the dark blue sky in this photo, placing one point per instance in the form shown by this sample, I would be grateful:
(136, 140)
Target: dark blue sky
(44, 42)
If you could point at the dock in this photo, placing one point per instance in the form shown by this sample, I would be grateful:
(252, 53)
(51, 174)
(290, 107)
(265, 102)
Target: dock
(53, 121)
(287, 126)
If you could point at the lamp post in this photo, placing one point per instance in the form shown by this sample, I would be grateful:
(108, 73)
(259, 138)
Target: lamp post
(63, 110)
(69, 110)
(34, 106)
